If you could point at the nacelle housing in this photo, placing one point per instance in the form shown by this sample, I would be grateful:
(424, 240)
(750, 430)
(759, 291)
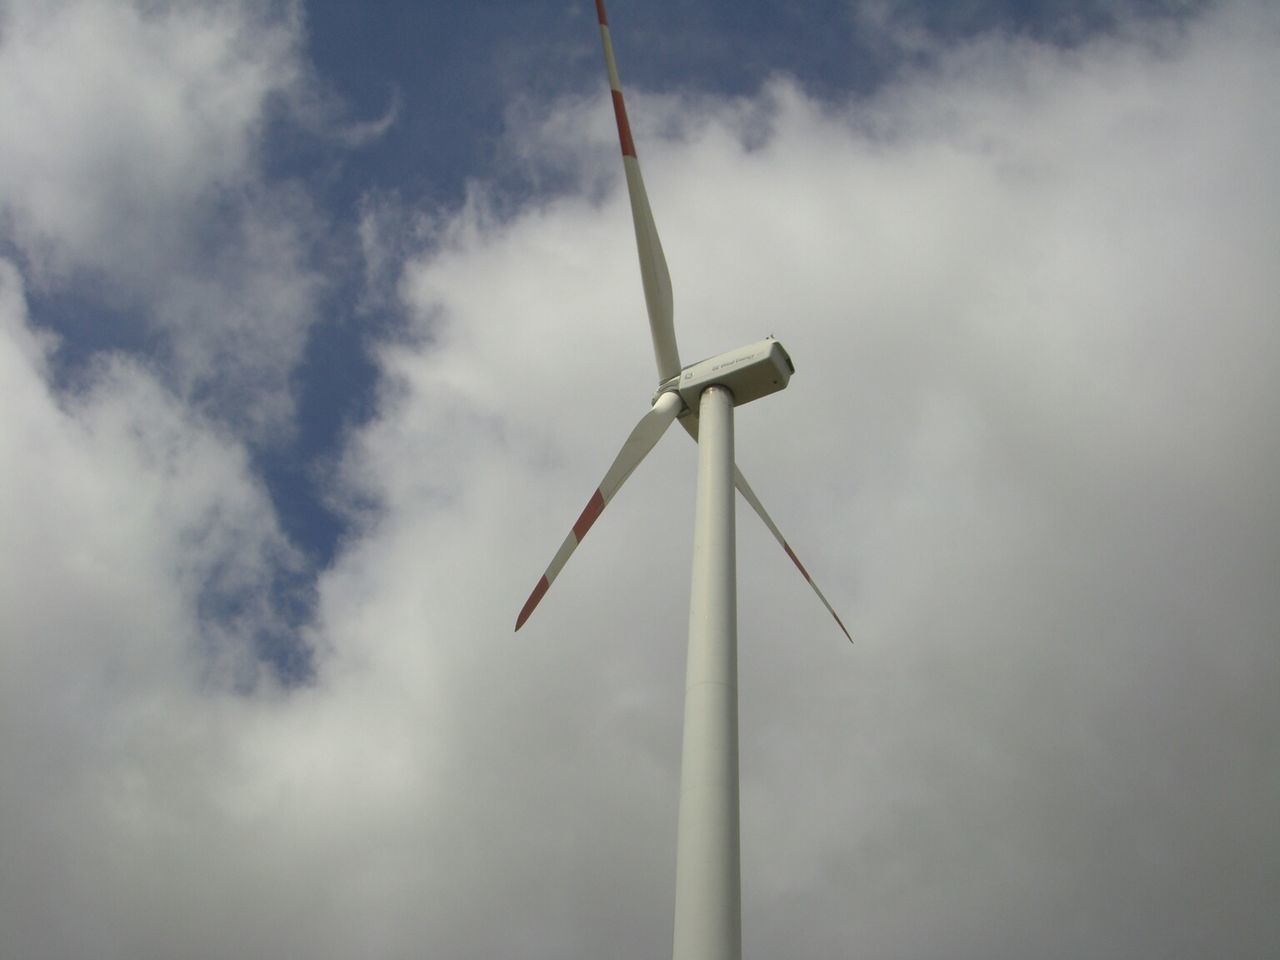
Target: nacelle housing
(749, 372)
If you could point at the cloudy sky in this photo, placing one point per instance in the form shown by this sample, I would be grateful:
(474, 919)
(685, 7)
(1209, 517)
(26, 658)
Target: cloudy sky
(320, 321)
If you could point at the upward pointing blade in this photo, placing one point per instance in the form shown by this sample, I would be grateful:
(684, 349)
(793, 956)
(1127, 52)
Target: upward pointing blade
(646, 433)
(653, 265)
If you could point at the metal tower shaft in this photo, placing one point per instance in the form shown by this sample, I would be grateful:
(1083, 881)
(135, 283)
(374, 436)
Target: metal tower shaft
(708, 913)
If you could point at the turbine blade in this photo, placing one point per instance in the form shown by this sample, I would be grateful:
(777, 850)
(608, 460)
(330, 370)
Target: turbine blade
(749, 495)
(690, 424)
(637, 446)
(653, 265)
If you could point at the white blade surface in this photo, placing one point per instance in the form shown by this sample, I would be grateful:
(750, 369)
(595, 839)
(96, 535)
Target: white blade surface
(653, 265)
(646, 433)
(690, 425)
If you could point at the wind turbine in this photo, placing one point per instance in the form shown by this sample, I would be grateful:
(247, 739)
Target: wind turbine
(703, 395)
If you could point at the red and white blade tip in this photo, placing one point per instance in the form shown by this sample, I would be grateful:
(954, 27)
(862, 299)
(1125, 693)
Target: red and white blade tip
(635, 448)
(749, 495)
(615, 87)
(590, 514)
(800, 566)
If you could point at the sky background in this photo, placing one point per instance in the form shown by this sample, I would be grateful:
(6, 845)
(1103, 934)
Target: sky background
(319, 322)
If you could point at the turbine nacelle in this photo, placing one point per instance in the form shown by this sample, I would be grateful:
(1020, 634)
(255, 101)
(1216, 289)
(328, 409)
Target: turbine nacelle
(749, 372)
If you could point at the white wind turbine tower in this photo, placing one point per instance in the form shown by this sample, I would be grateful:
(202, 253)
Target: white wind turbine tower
(708, 913)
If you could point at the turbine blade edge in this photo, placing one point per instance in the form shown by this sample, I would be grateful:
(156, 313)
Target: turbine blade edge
(749, 495)
(641, 440)
(654, 275)
(690, 424)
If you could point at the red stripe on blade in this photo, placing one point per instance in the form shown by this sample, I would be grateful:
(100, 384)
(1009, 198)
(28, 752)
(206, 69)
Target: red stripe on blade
(604, 21)
(843, 627)
(799, 565)
(593, 509)
(624, 128)
(538, 593)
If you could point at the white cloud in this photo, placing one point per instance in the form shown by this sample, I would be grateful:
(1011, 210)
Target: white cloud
(1027, 452)
(123, 517)
(119, 122)
(130, 163)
